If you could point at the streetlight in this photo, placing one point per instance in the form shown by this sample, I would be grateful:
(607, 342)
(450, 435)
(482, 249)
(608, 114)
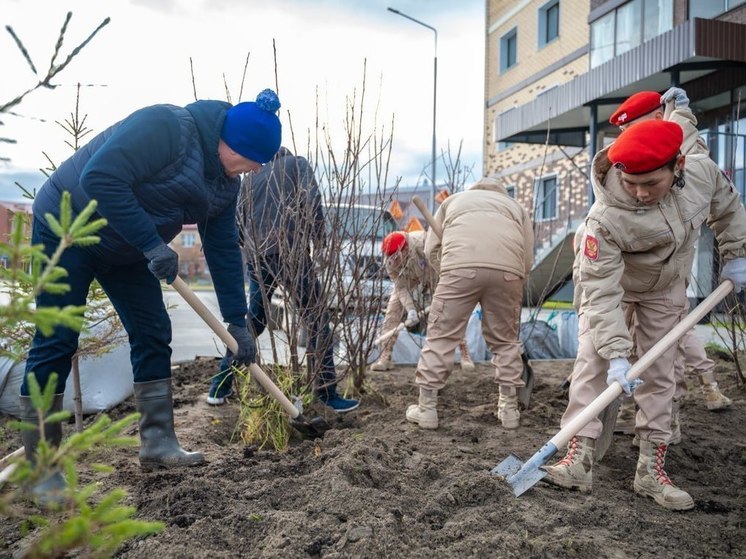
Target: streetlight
(435, 94)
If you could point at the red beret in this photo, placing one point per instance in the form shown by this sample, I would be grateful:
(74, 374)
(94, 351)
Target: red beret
(393, 242)
(646, 146)
(635, 106)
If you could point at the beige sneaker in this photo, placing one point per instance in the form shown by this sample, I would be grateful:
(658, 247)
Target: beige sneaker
(652, 481)
(507, 407)
(384, 361)
(425, 412)
(575, 470)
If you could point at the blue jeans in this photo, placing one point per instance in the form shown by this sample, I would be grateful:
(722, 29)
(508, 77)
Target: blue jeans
(302, 285)
(136, 296)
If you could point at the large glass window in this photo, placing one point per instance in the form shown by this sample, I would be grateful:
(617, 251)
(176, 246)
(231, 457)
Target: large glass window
(547, 195)
(657, 18)
(710, 8)
(549, 22)
(508, 50)
(602, 40)
(188, 240)
(628, 26)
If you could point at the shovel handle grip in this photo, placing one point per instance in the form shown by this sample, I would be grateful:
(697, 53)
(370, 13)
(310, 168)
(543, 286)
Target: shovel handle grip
(613, 391)
(417, 201)
(216, 326)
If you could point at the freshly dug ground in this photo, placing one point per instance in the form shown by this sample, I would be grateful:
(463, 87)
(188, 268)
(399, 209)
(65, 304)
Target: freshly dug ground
(376, 486)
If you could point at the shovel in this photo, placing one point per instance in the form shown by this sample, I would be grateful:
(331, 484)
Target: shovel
(524, 393)
(313, 428)
(523, 476)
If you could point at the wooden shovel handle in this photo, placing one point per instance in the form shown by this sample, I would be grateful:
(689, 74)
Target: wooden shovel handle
(613, 391)
(222, 333)
(417, 201)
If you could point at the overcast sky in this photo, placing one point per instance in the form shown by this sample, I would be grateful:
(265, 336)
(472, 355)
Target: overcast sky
(142, 58)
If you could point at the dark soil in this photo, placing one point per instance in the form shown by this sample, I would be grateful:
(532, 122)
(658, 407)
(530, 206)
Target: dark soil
(376, 486)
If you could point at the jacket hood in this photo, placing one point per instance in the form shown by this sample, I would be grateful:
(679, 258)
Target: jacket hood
(486, 183)
(209, 117)
(607, 185)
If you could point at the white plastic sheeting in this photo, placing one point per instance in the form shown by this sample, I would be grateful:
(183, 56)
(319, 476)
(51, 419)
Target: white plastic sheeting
(105, 381)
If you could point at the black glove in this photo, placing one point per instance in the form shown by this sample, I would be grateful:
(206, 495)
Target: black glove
(246, 353)
(163, 262)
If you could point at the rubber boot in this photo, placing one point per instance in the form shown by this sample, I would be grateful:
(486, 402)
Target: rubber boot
(714, 399)
(651, 479)
(425, 413)
(507, 407)
(159, 447)
(675, 423)
(49, 490)
(384, 361)
(625, 418)
(575, 470)
(466, 363)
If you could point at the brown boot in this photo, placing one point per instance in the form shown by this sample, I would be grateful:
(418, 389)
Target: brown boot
(575, 470)
(714, 399)
(651, 479)
(625, 418)
(425, 412)
(466, 363)
(507, 407)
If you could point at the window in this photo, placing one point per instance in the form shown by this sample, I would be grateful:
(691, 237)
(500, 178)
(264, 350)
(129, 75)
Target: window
(508, 50)
(511, 190)
(546, 199)
(710, 8)
(548, 22)
(628, 26)
(188, 240)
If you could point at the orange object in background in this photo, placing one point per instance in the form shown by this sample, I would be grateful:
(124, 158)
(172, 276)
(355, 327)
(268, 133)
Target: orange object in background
(413, 224)
(395, 209)
(441, 196)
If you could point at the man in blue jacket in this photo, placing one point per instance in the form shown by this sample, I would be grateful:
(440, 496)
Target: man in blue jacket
(280, 216)
(160, 168)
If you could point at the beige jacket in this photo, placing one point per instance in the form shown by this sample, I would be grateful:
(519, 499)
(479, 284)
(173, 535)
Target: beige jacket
(413, 273)
(483, 227)
(636, 248)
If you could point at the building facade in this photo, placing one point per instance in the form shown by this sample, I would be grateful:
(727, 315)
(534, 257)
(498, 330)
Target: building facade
(555, 70)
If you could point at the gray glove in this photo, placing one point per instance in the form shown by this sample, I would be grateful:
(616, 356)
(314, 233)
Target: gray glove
(678, 96)
(163, 262)
(246, 353)
(412, 318)
(618, 369)
(735, 271)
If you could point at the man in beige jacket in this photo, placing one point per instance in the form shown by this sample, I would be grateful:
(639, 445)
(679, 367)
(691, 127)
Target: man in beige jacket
(484, 256)
(414, 282)
(637, 252)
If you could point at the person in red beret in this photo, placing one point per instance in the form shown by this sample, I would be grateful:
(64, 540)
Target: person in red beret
(414, 282)
(637, 251)
(673, 105)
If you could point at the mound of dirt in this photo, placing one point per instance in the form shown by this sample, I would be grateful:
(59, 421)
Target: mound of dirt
(376, 486)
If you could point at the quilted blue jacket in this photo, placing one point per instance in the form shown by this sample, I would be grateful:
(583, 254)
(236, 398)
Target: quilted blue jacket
(151, 173)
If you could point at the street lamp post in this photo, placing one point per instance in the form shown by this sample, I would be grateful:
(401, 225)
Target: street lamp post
(435, 96)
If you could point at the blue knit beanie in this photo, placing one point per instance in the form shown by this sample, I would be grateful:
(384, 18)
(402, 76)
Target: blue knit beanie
(253, 129)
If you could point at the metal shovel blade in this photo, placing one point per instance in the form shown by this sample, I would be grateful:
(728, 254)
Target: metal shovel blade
(524, 393)
(523, 476)
(313, 428)
(508, 467)
(608, 420)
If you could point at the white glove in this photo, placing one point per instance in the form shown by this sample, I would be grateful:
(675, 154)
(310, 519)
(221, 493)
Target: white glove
(678, 96)
(412, 318)
(735, 271)
(618, 369)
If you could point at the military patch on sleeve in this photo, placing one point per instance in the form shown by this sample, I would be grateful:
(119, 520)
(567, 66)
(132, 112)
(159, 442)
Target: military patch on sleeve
(591, 247)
